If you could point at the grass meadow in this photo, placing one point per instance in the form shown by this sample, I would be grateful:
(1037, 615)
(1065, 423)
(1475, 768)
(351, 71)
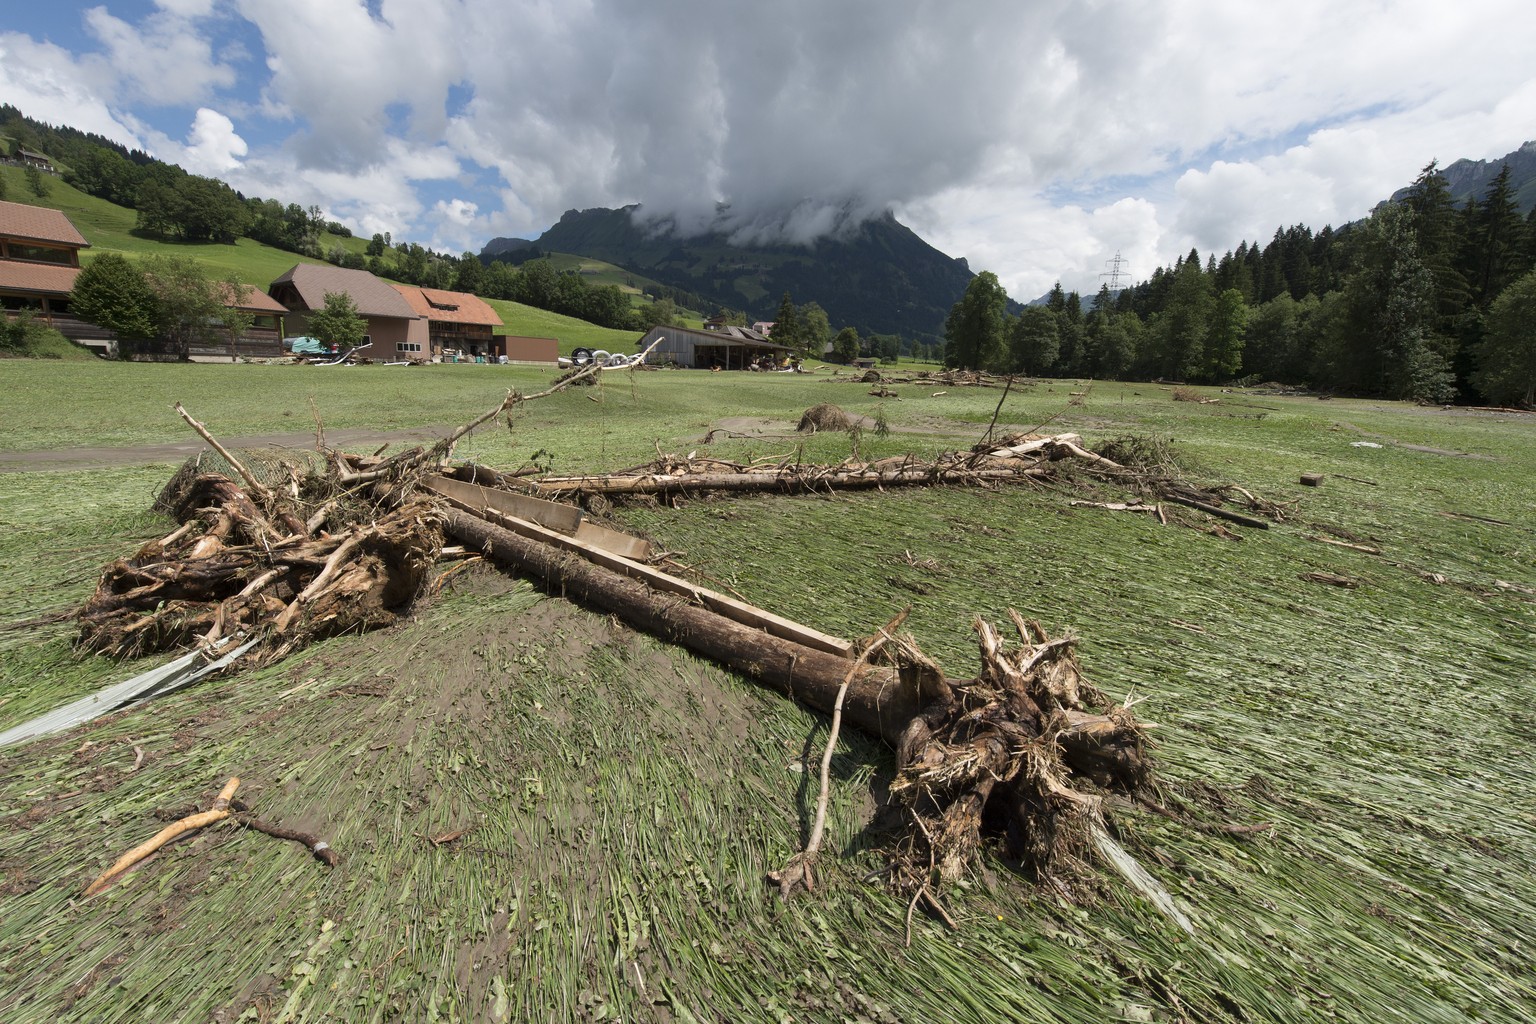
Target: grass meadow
(621, 800)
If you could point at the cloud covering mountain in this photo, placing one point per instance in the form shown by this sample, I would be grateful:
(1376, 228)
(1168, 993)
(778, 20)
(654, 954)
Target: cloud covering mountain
(1034, 139)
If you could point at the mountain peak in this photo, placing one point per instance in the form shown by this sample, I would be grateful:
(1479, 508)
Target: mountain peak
(872, 273)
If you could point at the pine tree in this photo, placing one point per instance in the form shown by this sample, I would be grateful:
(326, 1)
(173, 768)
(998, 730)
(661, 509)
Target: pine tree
(1507, 359)
(1388, 345)
(786, 324)
(1492, 253)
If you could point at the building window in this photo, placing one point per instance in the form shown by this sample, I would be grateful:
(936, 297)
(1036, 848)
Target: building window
(407, 346)
(39, 254)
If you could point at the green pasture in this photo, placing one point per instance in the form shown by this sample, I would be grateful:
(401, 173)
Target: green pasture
(599, 273)
(623, 800)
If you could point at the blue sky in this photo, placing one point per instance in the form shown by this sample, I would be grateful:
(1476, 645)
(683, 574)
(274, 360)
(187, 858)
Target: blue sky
(1035, 139)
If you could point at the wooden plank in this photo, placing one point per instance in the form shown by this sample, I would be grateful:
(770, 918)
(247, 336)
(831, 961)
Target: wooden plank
(729, 607)
(624, 544)
(551, 514)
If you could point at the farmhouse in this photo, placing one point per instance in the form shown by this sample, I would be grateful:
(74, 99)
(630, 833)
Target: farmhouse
(394, 328)
(458, 323)
(730, 348)
(264, 339)
(39, 261)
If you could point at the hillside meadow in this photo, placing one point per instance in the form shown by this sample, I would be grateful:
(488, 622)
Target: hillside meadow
(1353, 833)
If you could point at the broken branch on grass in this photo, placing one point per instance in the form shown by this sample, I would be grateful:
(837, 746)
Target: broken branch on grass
(255, 485)
(798, 873)
(1364, 548)
(318, 847)
(1218, 512)
(217, 813)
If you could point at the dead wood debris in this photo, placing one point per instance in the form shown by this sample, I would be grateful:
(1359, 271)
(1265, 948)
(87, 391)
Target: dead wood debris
(313, 545)
(224, 807)
(308, 550)
(928, 378)
(217, 813)
(1028, 748)
(1332, 579)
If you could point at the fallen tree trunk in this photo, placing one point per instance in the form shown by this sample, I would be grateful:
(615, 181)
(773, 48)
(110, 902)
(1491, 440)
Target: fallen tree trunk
(777, 483)
(1015, 742)
(880, 701)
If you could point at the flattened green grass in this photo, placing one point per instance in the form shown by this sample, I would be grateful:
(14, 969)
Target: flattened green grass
(624, 800)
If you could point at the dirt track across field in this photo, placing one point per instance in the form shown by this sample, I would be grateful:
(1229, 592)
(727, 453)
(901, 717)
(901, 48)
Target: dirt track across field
(75, 460)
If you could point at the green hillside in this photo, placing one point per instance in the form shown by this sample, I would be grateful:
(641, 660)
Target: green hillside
(600, 274)
(533, 322)
(109, 228)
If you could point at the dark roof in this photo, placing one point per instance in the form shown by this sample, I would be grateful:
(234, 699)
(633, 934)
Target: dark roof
(256, 300)
(39, 224)
(372, 296)
(734, 336)
(37, 278)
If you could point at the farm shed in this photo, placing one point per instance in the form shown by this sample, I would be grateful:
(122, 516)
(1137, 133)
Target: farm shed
(732, 348)
(521, 349)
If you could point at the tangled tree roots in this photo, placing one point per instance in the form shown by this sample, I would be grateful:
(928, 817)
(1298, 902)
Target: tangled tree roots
(251, 565)
(1016, 748)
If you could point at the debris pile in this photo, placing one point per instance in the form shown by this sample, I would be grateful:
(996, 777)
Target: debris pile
(333, 543)
(1028, 743)
(239, 566)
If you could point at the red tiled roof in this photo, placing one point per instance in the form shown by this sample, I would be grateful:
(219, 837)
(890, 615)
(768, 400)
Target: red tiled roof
(372, 296)
(256, 300)
(38, 224)
(448, 307)
(37, 278)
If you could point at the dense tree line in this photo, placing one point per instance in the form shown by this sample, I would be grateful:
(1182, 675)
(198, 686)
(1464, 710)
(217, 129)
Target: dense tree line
(1405, 304)
(159, 303)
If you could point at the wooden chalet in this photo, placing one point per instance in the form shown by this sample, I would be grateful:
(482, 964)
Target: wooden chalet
(264, 340)
(39, 261)
(459, 325)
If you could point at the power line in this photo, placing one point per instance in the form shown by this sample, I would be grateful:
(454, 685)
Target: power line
(1114, 273)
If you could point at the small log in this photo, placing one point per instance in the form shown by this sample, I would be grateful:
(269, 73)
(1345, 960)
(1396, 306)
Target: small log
(1331, 578)
(1365, 548)
(1219, 512)
(191, 822)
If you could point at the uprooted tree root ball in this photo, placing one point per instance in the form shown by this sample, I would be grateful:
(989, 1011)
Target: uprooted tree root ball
(235, 567)
(1026, 749)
